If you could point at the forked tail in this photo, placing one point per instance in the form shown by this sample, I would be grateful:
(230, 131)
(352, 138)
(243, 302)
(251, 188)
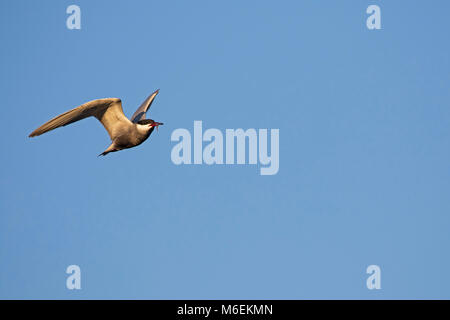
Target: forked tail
(111, 148)
(104, 153)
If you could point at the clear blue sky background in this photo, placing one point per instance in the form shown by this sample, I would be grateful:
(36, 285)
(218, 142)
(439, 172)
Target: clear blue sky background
(364, 174)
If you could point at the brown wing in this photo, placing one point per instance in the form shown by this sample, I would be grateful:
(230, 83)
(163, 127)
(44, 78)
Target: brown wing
(108, 111)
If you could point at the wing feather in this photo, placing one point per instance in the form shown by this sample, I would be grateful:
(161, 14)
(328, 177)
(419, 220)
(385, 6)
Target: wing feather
(108, 111)
(141, 111)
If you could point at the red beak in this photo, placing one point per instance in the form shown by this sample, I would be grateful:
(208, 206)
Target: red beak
(157, 124)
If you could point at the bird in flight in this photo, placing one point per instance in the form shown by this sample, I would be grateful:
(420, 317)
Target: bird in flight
(124, 133)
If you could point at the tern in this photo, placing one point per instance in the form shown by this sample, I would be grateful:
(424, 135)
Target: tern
(124, 133)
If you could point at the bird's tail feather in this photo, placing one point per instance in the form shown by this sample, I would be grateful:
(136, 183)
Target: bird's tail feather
(111, 148)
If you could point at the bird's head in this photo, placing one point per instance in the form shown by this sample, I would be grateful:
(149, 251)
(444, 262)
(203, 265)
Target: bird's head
(149, 124)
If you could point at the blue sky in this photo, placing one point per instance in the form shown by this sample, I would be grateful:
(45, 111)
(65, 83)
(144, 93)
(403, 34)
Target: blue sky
(364, 175)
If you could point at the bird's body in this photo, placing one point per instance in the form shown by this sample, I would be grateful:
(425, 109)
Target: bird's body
(129, 136)
(124, 133)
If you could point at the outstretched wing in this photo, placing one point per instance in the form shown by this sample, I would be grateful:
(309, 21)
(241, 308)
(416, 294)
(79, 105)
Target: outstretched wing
(108, 111)
(140, 112)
